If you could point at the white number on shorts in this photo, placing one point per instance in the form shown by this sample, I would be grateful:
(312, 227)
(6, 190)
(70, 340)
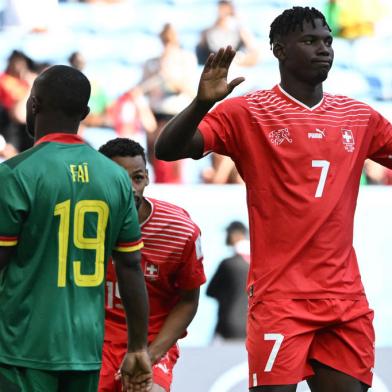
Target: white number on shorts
(278, 337)
(323, 176)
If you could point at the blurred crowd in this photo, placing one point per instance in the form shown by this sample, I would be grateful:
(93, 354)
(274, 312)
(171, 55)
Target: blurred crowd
(167, 82)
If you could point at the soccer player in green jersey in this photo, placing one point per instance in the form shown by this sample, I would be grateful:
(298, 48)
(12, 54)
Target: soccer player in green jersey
(64, 209)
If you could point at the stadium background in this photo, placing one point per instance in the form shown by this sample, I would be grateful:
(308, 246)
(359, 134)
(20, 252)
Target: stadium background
(118, 38)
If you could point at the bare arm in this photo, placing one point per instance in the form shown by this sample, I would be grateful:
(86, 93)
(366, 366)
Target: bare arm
(5, 255)
(175, 324)
(180, 138)
(136, 366)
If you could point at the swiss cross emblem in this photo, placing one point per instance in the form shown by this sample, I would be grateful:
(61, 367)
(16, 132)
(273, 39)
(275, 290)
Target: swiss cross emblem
(151, 271)
(348, 140)
(279, 136)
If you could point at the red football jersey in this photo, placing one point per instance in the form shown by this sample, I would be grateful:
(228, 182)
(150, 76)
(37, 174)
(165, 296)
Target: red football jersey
(302, 168)
(171, 261)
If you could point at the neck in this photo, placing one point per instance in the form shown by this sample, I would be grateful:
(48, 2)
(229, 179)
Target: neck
(55, 124)
(310, 95)
(144, 210)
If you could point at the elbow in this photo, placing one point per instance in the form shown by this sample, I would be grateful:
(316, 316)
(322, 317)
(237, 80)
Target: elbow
(162, 153)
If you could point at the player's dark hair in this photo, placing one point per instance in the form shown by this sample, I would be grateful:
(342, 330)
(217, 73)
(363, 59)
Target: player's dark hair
(290, 19)
(122, 147)
(236, 226)
(64, 89)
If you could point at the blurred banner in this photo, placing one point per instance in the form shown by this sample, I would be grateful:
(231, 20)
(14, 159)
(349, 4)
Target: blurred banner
(213, 206)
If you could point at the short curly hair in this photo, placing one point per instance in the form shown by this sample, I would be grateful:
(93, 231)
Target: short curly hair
(122, 147)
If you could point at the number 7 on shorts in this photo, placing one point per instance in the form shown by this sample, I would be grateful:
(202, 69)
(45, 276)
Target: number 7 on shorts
(278, 337)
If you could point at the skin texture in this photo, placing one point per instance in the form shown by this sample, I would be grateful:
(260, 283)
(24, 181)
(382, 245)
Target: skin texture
(305, 58)
(184, 311)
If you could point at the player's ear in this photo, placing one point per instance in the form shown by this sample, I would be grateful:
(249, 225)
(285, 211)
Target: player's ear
(279, 50)
(147, 177)
(35, 104)
(85, 112)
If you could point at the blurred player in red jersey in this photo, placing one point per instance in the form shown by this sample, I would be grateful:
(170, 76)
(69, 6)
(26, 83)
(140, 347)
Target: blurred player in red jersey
(173, 270)
(300, 152)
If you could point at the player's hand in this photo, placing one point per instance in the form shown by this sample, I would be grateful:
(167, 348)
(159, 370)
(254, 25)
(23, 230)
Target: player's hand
(213, 85)
(136, 373)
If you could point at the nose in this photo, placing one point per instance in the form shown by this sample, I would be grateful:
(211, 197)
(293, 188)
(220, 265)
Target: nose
(324, 49)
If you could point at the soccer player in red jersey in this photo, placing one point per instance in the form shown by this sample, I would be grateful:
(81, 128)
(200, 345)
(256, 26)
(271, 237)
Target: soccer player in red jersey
(173, 270)
(300, 152)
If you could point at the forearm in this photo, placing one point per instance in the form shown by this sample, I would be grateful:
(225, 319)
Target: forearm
(5, 255)
(134, 298)
(177, 138)
(174, 327)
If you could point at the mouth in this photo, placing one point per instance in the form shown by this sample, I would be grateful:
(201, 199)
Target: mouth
(323, 63)
(138, 201)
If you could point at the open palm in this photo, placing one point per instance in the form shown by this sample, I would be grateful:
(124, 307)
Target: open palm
(213, 85)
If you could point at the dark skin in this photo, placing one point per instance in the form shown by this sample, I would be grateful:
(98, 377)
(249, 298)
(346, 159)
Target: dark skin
(305, 58)
(43, 120)
(184, 311)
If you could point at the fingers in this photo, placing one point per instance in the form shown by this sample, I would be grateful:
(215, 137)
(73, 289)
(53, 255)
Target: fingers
(221, 59)
(128, 386)
(234, 83)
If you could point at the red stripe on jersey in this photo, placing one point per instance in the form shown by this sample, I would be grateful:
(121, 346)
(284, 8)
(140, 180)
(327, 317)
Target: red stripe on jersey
(8, 241)
(170, 264)
(302, 168)
(67, 138)
(129, 246)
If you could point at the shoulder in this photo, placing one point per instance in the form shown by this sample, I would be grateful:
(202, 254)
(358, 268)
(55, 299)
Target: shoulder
(174, 215)
(345, 102)
(24, 158)
(251, 97)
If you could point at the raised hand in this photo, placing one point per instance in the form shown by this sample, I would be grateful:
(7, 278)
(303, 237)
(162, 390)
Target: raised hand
(213, 85)
(136, 373)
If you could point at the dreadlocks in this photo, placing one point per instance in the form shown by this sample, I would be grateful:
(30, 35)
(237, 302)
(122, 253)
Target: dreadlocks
(290, 19)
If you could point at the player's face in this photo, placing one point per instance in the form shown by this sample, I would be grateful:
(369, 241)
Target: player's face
(138, 174)
(308, 54)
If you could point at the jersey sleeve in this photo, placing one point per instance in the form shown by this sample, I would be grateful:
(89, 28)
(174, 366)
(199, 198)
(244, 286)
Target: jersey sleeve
(14, 206)
(216, 128)
(191, 274)
(381, 145)
(129, 239)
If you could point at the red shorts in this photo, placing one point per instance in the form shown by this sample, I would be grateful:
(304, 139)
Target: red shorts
(284, 335)
(112, 356)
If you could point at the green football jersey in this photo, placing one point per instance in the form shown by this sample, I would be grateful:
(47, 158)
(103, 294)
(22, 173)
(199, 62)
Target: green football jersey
(64, 207)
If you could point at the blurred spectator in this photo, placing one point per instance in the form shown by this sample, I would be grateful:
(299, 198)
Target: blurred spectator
(353, 19)
(7, 150)
(131, 116)
(228, 285)
(227, 30)
(30, 16)
(221, 171)
(99, 100)
(168, 82)
(15, 84)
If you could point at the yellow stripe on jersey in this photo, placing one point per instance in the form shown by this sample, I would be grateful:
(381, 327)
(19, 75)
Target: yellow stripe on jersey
(129, 247)
(8, 241)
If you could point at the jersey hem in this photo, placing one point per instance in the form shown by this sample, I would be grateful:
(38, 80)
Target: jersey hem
(33, 364)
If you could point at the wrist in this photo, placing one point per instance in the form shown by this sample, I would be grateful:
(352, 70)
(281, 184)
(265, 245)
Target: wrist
(202, 105)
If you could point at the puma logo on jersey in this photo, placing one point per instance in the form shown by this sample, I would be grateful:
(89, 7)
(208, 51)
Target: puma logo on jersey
(279, 136)
(318, 134)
